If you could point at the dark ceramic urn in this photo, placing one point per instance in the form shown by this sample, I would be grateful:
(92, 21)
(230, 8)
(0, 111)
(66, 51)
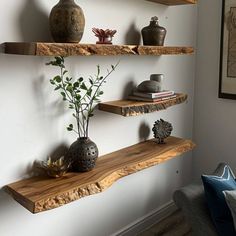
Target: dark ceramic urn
(67, 22)
(154, 34)
(83, 153)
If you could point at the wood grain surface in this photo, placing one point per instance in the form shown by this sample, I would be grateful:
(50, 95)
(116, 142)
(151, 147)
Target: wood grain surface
(134, 108)
(75, 49)
(39, 194)
(174, 2)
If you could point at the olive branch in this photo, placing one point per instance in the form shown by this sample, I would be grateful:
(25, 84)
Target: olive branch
(80, 94)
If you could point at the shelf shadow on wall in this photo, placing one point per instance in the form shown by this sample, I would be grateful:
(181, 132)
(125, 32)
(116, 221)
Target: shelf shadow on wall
(129, 88)
(49, 110)
(144, 131)
(33, 23)
(5, 202)
(56, 153)
(34, 169)
(59, 151)
(133, 36)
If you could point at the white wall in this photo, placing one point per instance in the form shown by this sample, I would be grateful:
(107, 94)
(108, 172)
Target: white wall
(214, 118)
(32, 121)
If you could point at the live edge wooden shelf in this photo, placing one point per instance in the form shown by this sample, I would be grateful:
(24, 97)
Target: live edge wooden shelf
(174, 2)
(39, 194)
(134, 108)
(76, 49)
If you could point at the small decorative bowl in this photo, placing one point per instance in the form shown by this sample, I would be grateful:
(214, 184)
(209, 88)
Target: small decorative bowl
(56, 168)
(104, 36)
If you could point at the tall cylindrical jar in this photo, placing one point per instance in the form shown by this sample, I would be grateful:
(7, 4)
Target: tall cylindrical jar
(67, 22)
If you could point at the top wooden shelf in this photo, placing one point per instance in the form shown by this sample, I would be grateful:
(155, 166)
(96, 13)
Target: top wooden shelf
(174, 2)
(75, 49)
(39, 194)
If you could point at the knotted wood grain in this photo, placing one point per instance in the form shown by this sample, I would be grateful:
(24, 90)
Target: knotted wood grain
(39, 194)
(75, 49)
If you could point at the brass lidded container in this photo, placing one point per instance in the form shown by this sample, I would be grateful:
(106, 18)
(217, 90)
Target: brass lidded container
(154, 34)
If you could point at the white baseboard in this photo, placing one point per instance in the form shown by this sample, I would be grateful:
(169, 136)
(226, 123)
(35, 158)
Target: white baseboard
(147, 221)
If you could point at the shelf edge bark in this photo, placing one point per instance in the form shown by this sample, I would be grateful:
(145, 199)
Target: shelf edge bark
(40, 194)
(174, 2)
(75, 49)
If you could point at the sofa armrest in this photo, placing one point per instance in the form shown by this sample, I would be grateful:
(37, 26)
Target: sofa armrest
(192, 201)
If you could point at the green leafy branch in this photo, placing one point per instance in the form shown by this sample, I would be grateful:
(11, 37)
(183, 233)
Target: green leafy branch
(80, 94)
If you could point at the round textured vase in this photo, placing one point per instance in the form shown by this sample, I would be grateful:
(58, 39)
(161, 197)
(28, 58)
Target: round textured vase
(67, 22)
(83, 153)
(154, 35)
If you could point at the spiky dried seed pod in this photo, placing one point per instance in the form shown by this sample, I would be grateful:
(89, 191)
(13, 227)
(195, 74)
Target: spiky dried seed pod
(162, 129)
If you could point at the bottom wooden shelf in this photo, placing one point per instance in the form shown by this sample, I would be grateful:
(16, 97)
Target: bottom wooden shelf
(39, 194)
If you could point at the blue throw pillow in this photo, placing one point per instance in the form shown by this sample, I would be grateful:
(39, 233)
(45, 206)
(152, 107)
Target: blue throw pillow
(220, 212)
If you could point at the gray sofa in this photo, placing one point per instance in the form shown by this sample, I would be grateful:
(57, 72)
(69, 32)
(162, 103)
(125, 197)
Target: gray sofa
(191, 200)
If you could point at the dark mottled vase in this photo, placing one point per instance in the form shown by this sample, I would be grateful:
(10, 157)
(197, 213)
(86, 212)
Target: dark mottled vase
(83, 153)
(154, 35)
(67, 22)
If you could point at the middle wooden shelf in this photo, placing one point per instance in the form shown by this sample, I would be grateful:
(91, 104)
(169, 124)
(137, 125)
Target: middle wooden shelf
(134, 108)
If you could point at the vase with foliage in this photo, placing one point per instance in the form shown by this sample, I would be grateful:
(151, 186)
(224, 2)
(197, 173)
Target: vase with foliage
(81, 96)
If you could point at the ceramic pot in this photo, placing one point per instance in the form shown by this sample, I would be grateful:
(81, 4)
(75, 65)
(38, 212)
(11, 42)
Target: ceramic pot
(67, 22)
(154, 35)
(83, 153)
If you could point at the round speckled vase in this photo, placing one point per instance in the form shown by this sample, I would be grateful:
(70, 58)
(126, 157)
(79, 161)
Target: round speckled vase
(67, 22)
(83, 153)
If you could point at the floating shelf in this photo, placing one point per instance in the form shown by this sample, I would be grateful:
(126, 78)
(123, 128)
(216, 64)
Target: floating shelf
(39, 194)
(174, 2)
(134, 108)
(75, 49)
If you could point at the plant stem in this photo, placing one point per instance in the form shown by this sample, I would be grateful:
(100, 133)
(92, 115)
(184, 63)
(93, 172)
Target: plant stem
(71, 100)
(95, 93)
(63, 85)
(82, 103)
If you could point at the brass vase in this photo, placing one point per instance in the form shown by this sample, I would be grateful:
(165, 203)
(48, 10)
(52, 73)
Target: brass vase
(154, 34)
(67, 22)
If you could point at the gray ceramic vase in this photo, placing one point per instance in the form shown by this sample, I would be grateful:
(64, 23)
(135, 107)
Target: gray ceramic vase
(149, 86)
(154, 35)
(83, 153)
(67, 22)
(154, 85)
